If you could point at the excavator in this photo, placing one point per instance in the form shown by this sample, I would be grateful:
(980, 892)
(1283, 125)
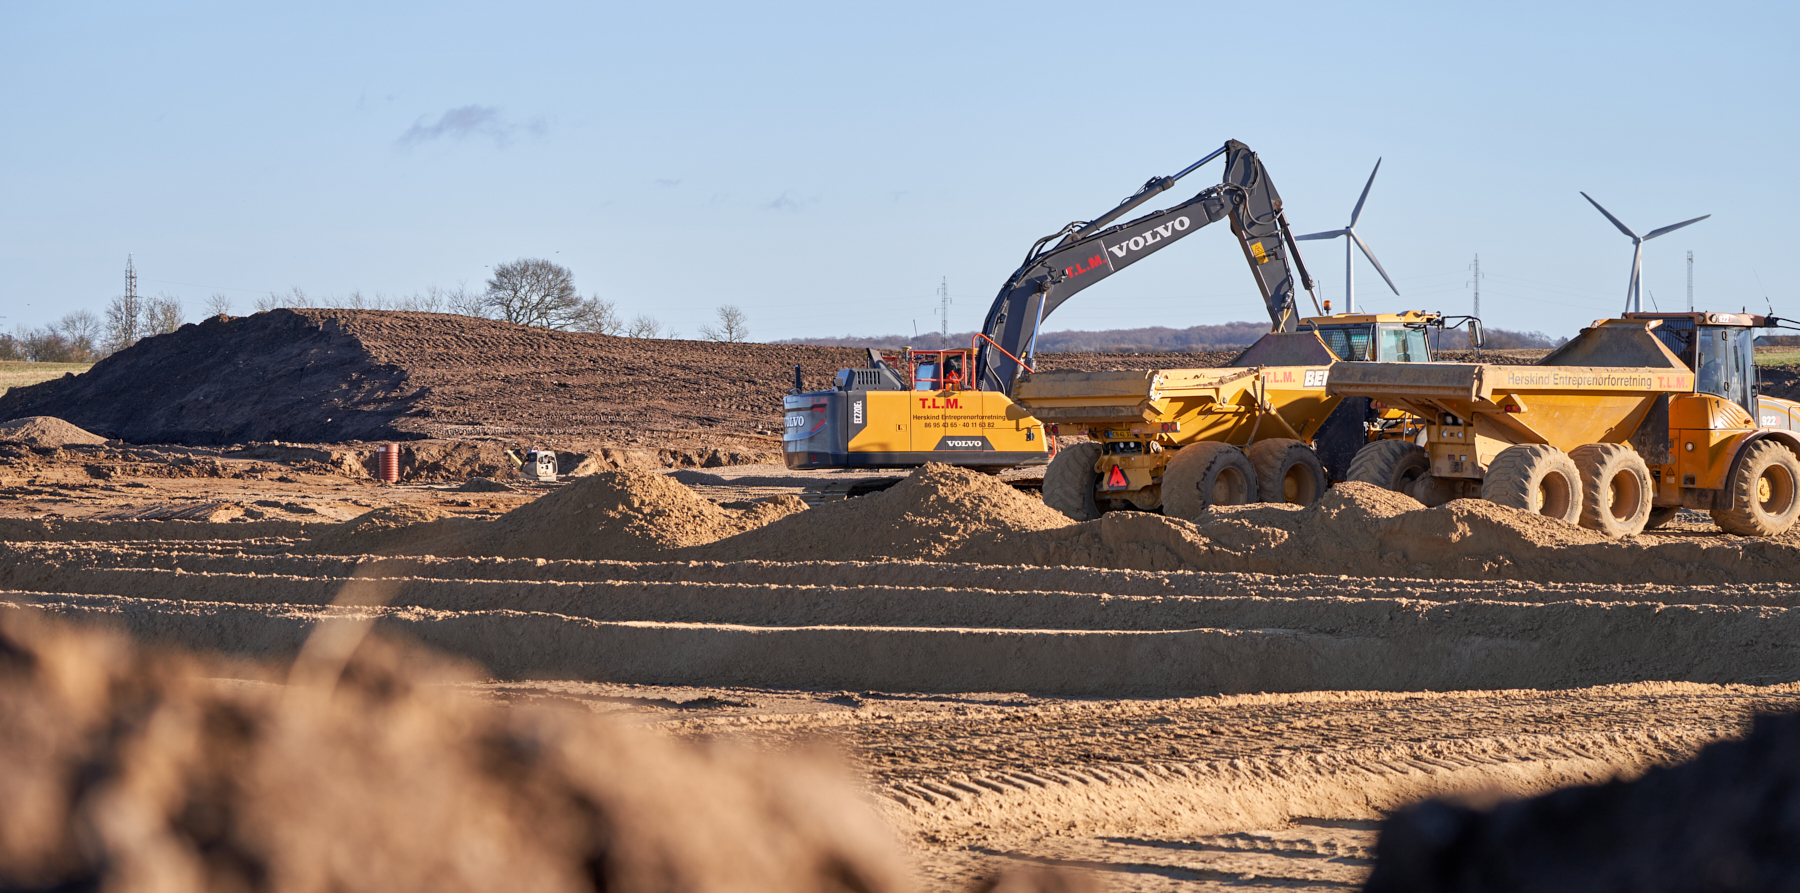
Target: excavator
(955, 406)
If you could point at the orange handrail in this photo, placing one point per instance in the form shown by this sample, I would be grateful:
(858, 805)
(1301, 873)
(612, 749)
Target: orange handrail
(979, 337)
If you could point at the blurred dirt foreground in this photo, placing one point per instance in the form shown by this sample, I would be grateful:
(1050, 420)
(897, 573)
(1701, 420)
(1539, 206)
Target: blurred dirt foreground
(126, 768)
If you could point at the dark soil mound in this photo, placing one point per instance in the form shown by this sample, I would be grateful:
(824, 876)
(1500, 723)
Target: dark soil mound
(1727, 820)
(279, 375)
(327, 376)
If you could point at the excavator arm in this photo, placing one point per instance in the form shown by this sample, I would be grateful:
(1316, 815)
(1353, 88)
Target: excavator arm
(1083, 253)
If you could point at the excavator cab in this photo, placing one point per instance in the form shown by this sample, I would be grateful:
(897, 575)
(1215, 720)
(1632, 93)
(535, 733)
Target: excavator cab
(939, 370)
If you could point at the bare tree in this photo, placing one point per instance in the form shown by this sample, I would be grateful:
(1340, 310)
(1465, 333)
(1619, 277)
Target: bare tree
(467, 303)
(83, 331)
(124, 322)
(218, 305)
(162, 315)
(733, 325)
(644, 326)
(535, 292)
(600, 316)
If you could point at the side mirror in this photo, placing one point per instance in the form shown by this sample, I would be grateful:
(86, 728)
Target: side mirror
(1475, 338)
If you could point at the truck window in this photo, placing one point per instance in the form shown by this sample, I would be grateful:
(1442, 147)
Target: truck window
(1349, 342)
(1726, 367)
(1401, 344)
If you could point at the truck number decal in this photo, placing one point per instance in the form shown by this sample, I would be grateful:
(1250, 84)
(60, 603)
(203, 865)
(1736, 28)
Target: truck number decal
(1315, 378)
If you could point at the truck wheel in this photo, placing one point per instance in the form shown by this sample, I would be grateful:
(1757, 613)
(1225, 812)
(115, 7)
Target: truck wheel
(1536, 478)
(1287, 471)
(1661, 515)
(1393, 464)
(1764, 492)
(1202, 475)
(1615, 488)
(1070, 479)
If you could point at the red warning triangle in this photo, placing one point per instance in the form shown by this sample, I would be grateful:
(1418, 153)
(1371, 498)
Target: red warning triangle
(1116, 478)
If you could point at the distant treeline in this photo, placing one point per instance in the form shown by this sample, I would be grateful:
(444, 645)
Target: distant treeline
(1160, 339)
(1507, 339)
(1778, 341)
(1155, 339)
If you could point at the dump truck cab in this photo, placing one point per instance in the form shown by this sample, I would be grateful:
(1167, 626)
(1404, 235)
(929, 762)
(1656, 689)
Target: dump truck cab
(1374, 338)
(1377, 337)
(1721, 349)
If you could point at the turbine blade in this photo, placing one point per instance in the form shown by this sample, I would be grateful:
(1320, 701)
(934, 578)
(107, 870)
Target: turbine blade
(1327, 235)
(1365, 196)
(1674, 226)
(1371, 256)
(1622, 227)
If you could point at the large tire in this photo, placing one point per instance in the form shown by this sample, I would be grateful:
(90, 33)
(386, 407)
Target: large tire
(1661, 515)
(1393, 464)
(1536, 478)
(1764, 492)
(1287, 471)
(1615, 488)
(1202, 475)
(1070, 480)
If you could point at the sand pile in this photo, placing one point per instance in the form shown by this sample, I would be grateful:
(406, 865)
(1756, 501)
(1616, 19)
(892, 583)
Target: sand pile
(928, 515)
(128, 769)
(46, 431)
(1362, 530)
(1727, 820)
(623, 515)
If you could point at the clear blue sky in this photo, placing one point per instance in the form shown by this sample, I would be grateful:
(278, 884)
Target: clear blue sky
(824, 166)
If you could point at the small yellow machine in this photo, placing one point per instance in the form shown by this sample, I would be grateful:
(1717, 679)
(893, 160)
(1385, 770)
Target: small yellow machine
(1616, 430)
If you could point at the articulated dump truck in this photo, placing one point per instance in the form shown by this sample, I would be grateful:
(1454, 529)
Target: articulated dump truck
(1181, 440)
(1616, 430)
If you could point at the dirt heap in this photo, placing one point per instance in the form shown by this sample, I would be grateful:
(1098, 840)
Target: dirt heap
(1727, 820)
(623, 515)
(46, 431)
(1364, 530)
(328, 376)
(126, 768)
(926, 516)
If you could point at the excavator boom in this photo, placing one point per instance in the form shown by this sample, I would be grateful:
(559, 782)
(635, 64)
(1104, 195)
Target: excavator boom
(1089, 252)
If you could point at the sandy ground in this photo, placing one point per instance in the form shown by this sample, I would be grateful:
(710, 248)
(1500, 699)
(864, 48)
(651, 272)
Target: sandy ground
(1207, 724)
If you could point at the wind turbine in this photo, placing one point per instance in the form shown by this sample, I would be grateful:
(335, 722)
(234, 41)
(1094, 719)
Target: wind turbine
(1349, 232)
(1634, 298)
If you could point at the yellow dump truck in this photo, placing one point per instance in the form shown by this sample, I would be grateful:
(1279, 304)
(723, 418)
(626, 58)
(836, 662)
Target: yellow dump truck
(1179, 440)
(1616, 430)
(1262, 430)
